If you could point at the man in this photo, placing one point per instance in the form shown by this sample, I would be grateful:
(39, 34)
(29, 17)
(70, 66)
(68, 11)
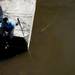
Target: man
(6, 31)
(8, 26)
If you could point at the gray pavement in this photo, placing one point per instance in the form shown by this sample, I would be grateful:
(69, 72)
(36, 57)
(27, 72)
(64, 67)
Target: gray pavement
(22, 9)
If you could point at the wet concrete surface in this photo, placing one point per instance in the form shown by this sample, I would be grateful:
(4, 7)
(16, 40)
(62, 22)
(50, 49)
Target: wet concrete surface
(22, 9)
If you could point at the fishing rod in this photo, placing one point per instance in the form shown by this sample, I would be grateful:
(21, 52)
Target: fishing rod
(23, 33)
(20, 26)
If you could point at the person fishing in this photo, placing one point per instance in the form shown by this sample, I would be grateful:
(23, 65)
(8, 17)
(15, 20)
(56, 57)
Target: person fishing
(8, 25)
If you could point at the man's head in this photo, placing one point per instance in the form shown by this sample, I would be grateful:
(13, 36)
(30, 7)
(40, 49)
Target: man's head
(5, 19)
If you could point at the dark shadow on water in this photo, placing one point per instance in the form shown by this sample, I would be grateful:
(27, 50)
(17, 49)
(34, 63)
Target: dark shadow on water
(17, 45)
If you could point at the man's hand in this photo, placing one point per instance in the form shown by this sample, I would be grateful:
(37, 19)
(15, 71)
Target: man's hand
(16, 23)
